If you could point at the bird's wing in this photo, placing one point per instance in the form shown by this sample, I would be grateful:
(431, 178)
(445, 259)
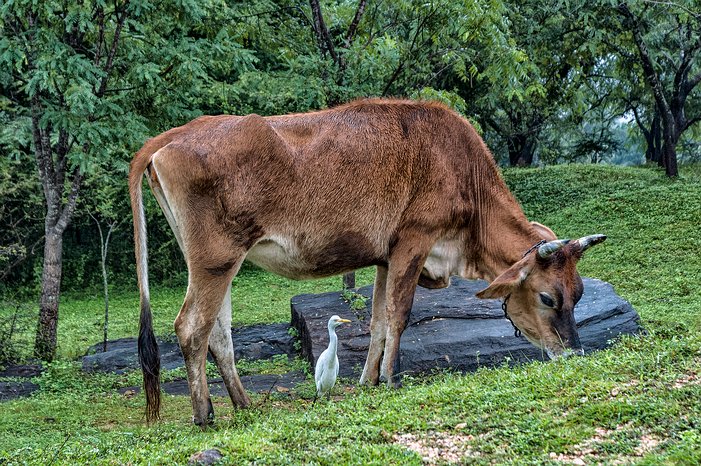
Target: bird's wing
(319, 369)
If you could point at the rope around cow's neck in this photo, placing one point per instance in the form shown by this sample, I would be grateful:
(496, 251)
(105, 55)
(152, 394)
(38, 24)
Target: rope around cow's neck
(517, 331)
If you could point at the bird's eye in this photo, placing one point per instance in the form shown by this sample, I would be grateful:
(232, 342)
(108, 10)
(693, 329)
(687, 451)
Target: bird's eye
(547, 300)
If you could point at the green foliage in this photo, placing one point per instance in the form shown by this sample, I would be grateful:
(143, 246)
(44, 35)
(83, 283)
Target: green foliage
(21, 230)
(355, 300)
(278, 364)
(17, 321)
(528, 75)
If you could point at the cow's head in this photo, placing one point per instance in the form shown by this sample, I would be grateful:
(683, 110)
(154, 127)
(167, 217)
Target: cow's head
(541, 291)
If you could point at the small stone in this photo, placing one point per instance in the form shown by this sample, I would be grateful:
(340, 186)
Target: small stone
(206, 457)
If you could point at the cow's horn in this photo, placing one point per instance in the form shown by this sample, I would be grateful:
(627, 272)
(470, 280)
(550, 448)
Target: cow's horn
(550, 247)
(589, 241)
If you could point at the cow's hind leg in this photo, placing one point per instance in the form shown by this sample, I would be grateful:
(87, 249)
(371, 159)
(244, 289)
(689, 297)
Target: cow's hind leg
(222, 348)
(205, 294)
(378, 329)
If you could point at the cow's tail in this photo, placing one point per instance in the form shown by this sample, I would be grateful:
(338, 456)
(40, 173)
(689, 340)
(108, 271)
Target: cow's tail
(149, 356)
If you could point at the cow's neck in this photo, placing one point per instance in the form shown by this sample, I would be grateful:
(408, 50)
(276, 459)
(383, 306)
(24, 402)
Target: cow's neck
(506, 236)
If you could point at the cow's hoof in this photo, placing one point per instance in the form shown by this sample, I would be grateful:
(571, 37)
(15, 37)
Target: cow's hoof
(395, 382)
(203, 422)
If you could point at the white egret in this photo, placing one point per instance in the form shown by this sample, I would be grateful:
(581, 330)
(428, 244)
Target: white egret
(326, 369)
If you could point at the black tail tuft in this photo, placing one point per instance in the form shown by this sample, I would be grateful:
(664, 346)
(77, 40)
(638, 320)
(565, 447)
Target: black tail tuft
(150, 360)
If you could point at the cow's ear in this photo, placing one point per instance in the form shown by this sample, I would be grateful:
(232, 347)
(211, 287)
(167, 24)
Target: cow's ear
(509, 280)
(546, 233)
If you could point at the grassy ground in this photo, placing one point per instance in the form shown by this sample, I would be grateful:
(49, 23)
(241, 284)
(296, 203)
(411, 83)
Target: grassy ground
(637, 402)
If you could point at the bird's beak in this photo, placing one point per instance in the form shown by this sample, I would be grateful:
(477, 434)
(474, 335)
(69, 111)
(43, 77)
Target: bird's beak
(345, 321)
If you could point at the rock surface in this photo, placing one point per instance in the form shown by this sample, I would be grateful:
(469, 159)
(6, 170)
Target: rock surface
(451, 328)
(211, 456)
(258, 383)
(251, 342)
(18, 381)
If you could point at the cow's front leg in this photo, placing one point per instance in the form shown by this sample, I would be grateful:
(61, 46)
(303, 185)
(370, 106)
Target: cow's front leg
(403, 274)
(378, 329)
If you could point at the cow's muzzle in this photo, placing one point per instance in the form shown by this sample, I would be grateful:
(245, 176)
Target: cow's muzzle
(564, 353)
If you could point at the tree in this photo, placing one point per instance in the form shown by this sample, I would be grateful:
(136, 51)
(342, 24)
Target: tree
(666, 39)
(82, 79)
(104, 247)
(557, 56)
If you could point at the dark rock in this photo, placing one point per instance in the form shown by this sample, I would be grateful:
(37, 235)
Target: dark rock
(122, 355)
(251, 342)
(22, 386)
(451, 328)
(262, 341)
(12, 390)
(206, 457)
(259, 383)
(22, 370)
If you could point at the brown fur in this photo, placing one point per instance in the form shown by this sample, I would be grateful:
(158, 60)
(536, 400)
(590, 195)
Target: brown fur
(373, 182)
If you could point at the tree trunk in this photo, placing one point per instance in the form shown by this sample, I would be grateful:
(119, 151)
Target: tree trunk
(669, 156)
(107, 301)
(45, 343)
(349, 280)
(653, 139)
(656, 131)
(670, 137)
(672, 114)
(521, 151)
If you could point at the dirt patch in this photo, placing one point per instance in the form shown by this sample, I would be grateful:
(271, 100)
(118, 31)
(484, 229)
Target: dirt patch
(587, 452)
(438, 447)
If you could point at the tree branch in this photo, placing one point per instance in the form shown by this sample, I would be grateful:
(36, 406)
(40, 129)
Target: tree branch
(100, 14)
(691, 122)
(322, 33)
(21, 258)
(113, 50)
(646, 133)
(353, 28)
(419, 29)
(43, 156)
(645, 60)
(69, 206)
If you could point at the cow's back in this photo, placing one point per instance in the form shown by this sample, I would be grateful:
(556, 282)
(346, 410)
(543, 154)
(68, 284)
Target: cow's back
(306, 189)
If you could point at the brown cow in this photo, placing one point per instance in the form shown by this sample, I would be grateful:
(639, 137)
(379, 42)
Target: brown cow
(407, 186)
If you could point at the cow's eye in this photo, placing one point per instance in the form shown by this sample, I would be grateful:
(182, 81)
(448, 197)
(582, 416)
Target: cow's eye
(547, 300)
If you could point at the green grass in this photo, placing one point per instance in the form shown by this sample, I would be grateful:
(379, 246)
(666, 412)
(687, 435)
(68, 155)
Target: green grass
(637, 402)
